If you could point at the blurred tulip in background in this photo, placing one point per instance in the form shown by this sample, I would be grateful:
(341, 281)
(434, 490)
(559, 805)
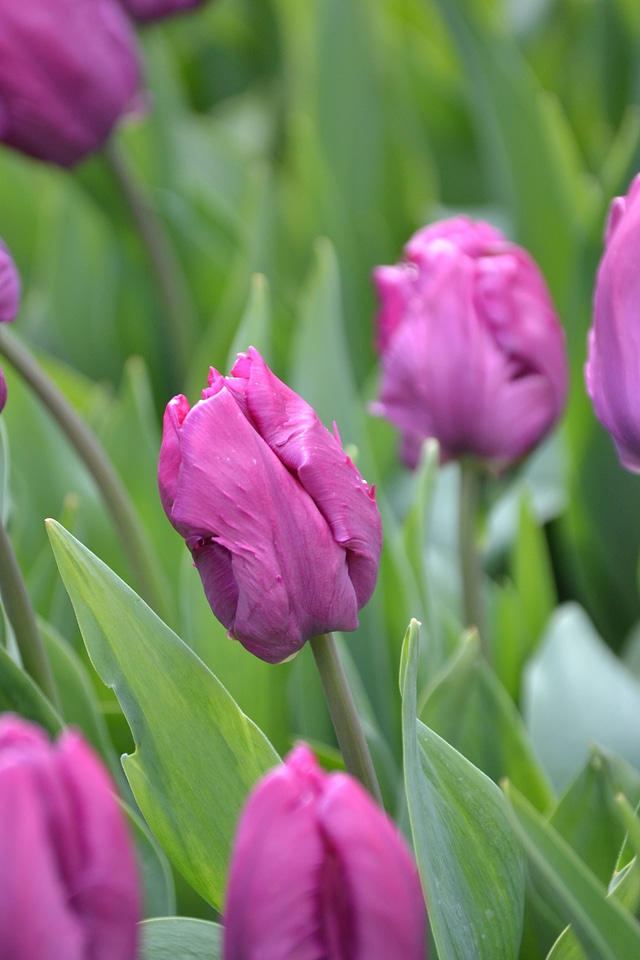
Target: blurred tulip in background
(9, 286)
(69, 886)
(613, 366)
(285, 533)
(318, 870)
(472, 352)
(68, 71)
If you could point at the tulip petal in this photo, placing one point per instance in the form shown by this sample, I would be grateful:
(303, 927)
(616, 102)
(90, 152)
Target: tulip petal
(478, 358)
(35, 914)
(105, 895)
(292, 429)
(272, 910)
(388, 914)
(614, 348)
(291, 578)
(68, 71)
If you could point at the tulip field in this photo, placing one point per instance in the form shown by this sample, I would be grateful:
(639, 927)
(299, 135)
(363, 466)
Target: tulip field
(319, 480)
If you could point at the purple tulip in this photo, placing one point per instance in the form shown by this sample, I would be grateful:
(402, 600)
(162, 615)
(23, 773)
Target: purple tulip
(9, 286)
(68, 71)
(613, 367)
(68, 882)
(472, 351)
(285, 533)
(157, 9)
(319, 871)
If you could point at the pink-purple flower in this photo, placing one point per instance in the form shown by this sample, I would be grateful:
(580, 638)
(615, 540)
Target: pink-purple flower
(319, 871)
(9, 302)
(68, 879)
(472, 352)
(285, 533)
(68, 71)
(9, 286)
(613, 366)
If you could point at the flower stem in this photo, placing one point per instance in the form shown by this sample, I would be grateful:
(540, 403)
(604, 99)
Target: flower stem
(170, 284)
(344, 715)
(17, 605)
(115, 496)
(470, 559)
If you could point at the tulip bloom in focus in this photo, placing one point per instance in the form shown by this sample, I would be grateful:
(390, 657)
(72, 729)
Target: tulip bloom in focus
(318, 870)
(285, 533)
(157, 9)
(613, 367)
(68, 71)
(471, 348)
(68, 882)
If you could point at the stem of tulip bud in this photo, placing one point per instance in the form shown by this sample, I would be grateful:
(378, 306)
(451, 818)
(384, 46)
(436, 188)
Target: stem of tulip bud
(17, 605)
(342, 708)
(115, 496)
(170, 284)
(470, 558)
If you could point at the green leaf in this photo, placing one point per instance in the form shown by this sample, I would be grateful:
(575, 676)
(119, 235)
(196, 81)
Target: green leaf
(78, 698)
(471, 865)
(575, 692)
(155, 871)
(254, 329)
(605, 929)
(626, 891)
(530, 155)
(197, 755)
(534, 581)
(468, 706)
(19, 694)
(587, 817)
(180, 938)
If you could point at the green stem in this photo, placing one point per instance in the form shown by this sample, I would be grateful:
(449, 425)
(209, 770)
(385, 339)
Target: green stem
(170, 284)
(344, 715)
(17, 605)
(116, 498)
(470, 559)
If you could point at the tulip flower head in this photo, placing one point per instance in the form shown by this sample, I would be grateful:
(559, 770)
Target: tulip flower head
(318, 870)
(613, 367)
(157, 9)
(68, 877)
(472, 351)
(283, 530)
(9, 286)
(68, 71)
(9, 302)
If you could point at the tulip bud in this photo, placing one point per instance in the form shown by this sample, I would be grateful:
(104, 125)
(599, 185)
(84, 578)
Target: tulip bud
(471, 348)
(285, 533)
(68, 71)
(157, 9)
(614, 348)
(318, 870)
(9, 286)
(68, 884)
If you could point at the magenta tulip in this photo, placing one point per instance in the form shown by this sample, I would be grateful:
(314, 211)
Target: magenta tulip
(613, 367)
(68, 71)
(9, 286)
(157, 9)
(319, 871)
(471, 348)
(68, 882)
(285, 533)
